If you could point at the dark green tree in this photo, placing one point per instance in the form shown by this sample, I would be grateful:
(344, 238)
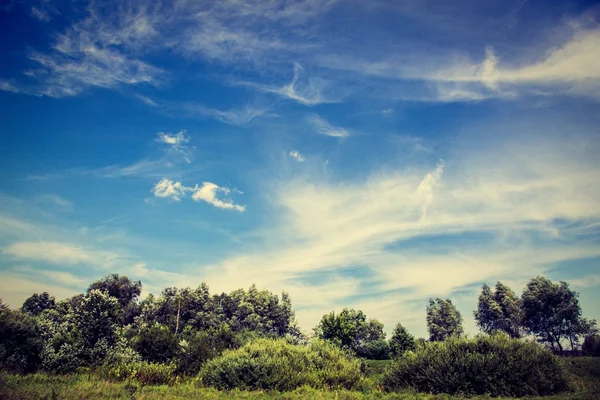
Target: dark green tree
(443, 320)
(20, 341)
(37, 303)
(401, 341)
(551, 310)
(499, 310)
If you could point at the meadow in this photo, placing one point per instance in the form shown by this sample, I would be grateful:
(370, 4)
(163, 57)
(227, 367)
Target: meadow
(584, 374)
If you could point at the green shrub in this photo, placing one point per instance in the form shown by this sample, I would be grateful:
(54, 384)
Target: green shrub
(146, 373)
(591, 345)
(278, 365)
(375, 350)
(494, 365)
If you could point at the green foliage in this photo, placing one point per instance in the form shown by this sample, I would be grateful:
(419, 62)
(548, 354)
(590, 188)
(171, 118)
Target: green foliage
(254, 310)
(20, 341)
(401, 341)
(37, 303)
(156, 343)
(378, 349)
(552, 311)
(120, 287)
(350, 330)
(496, 365)
(278, 365)
(146, 373)
(197, 347)
(443, 320)
(499, 310)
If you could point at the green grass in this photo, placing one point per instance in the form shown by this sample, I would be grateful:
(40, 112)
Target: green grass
(585, 375)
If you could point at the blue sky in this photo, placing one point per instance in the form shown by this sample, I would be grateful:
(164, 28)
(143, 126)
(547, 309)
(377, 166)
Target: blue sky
(359, 154)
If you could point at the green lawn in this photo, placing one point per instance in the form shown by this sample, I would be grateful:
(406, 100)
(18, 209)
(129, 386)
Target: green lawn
(585, 376)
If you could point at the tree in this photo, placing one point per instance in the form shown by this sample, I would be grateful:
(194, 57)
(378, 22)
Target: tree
(350, 329)
(119, 287)
(443, 320)
(97, 319)
(37, 303)
(552, 311)
(20, 341)
(401, 341)
(499, 310)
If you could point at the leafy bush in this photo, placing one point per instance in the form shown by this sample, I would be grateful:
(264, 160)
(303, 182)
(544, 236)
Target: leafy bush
(156, 343)
(197, 347)
(278, 365)
(495, 365)
(20, 341)
(375, 350)
(146, 373)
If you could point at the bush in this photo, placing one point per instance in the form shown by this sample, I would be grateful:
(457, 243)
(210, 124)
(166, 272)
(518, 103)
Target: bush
(146, 373)
(375, 350)
(494, 365)
(197, 347)
(278, 365)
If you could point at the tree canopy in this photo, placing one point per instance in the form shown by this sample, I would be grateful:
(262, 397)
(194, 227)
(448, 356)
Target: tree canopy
(443, 320)
(499, 310)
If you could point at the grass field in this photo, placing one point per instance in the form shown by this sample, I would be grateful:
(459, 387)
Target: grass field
(585, 377)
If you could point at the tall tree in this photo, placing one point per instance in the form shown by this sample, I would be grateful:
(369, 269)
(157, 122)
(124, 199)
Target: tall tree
(443, 320)
(121, 287)
(37, 303)
(551, 311)
(499, 310)
(401, 341)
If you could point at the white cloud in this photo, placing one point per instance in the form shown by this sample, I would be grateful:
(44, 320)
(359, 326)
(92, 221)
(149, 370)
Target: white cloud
(61, 253)
(166, 188)
(308, 92)
(325, 128)
(241, 116)
(568, 68)
(177, 143)
(295, 154)
(207, 192)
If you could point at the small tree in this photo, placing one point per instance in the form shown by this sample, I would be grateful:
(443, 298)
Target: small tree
(37, 303)
(443, 320)
(350, 329)
(552, 311)
(401, 341)
(499, 310)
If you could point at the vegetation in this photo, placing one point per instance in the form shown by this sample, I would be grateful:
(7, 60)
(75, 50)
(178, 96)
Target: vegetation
(499, 311)
(350, 330)
(443, 320)
(187, 343)
(278, 365)
(496, 365)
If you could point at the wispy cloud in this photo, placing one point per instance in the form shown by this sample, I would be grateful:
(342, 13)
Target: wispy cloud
(177, 143)
(308, 92)
(295, 154)
(241, 116)
(325, 128)
(206, 192)
(60, 253)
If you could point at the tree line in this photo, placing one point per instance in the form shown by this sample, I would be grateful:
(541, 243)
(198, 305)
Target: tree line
(186, 327)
